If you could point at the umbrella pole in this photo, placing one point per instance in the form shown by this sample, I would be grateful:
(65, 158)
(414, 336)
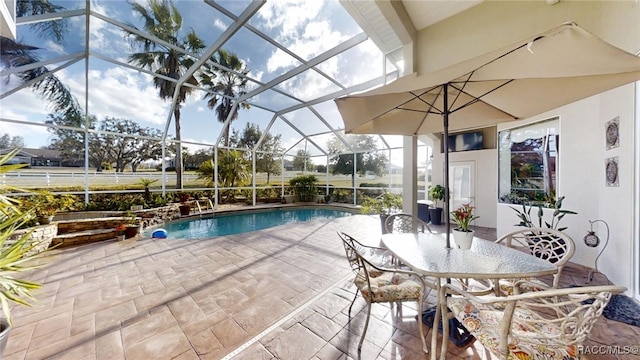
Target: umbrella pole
(445, 120)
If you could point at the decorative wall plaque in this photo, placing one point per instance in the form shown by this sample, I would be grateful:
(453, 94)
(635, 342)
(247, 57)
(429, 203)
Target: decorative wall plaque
(611, 171)
(612, 133)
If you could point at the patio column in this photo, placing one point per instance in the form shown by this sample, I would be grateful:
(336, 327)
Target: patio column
(410, 175)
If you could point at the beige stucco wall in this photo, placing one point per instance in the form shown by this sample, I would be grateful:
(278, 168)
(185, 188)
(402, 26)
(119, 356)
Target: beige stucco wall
(582, 148)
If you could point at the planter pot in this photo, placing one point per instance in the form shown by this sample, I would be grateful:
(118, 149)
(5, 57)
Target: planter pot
(383, 220)
(5, 328)
(185, 209)
(131, 231)
(45, 220)
(463, 239)
(435, 215)
(120, 237)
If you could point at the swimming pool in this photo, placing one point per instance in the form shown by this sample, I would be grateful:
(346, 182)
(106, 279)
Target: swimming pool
(236, 223)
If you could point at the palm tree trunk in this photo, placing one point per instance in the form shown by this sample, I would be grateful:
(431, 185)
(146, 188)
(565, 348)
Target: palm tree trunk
(178, 162)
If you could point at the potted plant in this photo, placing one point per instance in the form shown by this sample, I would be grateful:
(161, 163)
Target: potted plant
(120, 229)
(185, 209)
(13, 256)
(132, 226)
(463, 216)
(437, 193)
(45, 205)
(385, 204)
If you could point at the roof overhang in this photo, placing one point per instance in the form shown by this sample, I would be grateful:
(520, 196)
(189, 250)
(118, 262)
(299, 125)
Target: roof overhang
(392, 25)
(8, 16)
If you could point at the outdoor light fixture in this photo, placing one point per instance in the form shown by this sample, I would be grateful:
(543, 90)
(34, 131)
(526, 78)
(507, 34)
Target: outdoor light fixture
(592, 240)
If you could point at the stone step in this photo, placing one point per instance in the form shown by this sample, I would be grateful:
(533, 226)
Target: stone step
(83, 237)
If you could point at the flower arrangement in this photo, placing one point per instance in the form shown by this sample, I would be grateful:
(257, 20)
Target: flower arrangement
(463, 216)
(120, 229)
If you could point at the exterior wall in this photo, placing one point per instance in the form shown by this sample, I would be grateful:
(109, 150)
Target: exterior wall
(486, 180)
(581, 177)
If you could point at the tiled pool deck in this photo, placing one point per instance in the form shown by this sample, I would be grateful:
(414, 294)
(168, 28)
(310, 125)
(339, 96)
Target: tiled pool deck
(279, 293)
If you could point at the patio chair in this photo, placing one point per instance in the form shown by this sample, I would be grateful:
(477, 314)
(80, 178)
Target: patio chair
(547, 244)
(548, 324)
(405, 223)
(378, 284)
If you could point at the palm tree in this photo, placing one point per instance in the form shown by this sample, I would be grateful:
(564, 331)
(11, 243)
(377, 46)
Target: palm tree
(16, 54)
(163, 20)
(226, 86)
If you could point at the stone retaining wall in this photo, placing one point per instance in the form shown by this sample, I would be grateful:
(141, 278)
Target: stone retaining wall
(41, 237)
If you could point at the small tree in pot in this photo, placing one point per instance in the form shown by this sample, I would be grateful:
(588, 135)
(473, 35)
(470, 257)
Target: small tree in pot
(385, 204)
(437, 193)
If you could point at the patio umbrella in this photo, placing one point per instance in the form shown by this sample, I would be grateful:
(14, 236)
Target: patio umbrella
(543, 72)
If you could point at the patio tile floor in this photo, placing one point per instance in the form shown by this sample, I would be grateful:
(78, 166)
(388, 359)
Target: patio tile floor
(279, 293)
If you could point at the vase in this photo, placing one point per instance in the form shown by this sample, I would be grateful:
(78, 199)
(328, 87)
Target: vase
(185, 210)
(120, 237)
(45, 219)
(131, 231)
(5, 328)
(463, 239)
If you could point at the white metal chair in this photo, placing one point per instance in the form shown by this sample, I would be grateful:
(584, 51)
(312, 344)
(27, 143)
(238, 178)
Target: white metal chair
(405, 223)
(549, 324)
(547, 244)
(378, 284)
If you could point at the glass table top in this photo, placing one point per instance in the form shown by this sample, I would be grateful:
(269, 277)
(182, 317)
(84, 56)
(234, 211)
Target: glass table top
(427, 254)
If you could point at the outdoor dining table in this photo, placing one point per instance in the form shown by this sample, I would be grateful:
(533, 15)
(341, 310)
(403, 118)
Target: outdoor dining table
(426, 254)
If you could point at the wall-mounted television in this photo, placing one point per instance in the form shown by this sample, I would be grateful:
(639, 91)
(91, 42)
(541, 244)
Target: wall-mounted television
(465, 142)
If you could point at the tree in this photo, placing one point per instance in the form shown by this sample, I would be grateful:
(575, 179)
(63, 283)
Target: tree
(200, 156)
(266, 154)
(98, 154)
(15, 54)
(70, 143)
(268, 161)
(54, 29)
(148, 149)
(163, 20)
(369, 160)
(302, 160)
(7, 141)
(225, 86)
(233, 169)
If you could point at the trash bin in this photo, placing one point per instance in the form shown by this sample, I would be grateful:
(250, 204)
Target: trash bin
(423, 210)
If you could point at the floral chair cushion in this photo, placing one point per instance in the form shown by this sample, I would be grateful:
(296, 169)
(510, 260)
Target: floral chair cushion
(387, 286)
(525, 342)
(506, 287)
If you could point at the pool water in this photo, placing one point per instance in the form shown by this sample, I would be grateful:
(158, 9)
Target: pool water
(228, 224)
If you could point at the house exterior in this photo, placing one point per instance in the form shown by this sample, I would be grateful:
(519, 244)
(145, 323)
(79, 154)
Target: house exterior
(39, 158)
(426, 45)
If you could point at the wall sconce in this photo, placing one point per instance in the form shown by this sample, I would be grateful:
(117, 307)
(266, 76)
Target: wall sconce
(592, 240)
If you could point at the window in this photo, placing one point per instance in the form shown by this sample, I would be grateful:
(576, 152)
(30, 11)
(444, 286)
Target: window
(527, 163)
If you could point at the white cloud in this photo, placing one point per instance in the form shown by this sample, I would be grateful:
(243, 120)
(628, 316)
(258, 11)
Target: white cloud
(200, 108)
(119, 92)
(55, 47)
(289, 14)
(219, 24)
(24, 105)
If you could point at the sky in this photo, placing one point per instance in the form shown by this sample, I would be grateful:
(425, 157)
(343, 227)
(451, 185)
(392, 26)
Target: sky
(305, 28)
